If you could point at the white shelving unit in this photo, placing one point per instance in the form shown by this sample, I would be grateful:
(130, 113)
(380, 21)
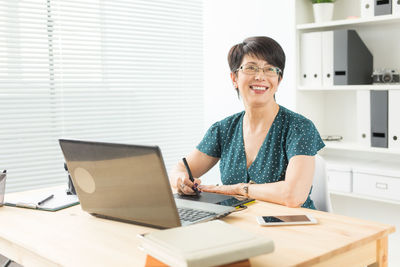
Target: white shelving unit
(364, 181)
(335, 110)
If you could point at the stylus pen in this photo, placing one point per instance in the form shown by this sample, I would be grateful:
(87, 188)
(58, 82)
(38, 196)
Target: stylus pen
(44, 200)
(190, 175)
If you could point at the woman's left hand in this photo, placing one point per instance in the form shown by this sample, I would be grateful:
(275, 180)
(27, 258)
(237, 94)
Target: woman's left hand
(221, 189)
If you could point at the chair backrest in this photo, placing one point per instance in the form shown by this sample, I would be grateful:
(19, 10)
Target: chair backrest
(319, 193)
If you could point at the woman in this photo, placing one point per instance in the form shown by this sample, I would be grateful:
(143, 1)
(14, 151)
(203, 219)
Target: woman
(267, 151)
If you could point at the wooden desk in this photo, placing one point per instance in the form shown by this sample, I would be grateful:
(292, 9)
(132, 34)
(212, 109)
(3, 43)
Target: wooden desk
(72, 237)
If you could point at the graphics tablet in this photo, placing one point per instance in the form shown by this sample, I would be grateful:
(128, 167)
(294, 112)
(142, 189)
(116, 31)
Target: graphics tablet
(214, 198)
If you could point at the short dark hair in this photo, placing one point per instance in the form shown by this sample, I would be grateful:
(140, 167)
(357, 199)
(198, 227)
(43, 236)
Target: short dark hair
(261, 47)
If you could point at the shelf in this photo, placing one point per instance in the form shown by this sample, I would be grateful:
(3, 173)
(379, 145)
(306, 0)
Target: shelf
(358, 148)
(359, 196)
(351, 87)
(350, 22)
(346, 109)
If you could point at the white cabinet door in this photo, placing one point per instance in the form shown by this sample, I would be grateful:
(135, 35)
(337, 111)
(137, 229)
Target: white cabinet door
(394, 119)
(310, 59)
(364, 118)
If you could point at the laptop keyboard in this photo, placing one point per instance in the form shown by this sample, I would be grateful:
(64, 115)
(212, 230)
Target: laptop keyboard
(192, 215)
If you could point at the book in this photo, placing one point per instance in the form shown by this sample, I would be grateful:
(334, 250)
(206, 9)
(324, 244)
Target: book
(52, 200)
(153, 262)
(211, 243)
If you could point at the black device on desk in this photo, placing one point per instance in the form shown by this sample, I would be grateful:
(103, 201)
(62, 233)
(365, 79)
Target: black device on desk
(214, 198)
(71, 187)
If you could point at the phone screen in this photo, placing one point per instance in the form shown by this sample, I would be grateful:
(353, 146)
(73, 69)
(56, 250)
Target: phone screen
(286, 218)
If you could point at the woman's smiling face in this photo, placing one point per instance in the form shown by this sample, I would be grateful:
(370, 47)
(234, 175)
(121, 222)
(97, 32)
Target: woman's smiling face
(256, 89)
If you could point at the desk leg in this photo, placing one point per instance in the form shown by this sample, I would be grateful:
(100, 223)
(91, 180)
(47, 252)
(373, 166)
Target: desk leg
(381, 253)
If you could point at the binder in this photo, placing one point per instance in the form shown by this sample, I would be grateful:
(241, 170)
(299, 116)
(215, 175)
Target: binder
(394, 120)
(396, 8)
(317, 59)
(310, 59)
(30, 200)
(327, 58)
(383, 7)
(363, 118)
(367, 8)
(379, 118)
(353, 62)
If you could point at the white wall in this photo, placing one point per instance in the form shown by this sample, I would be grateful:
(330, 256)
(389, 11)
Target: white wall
(228, 22)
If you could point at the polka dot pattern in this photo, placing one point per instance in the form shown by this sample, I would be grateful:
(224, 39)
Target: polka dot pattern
(290, 134)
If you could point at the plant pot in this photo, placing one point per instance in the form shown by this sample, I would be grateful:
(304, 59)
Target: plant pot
(323, 12)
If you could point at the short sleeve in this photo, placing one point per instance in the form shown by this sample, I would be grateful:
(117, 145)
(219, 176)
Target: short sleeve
(303, 139)
(211, 143)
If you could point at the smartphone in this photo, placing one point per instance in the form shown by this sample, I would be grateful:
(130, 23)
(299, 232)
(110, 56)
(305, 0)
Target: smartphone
(286, 220)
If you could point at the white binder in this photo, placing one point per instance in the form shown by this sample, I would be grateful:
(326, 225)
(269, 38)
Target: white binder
(364, 118)
(367, 8)
(394, 121)
(396, 7)
(327, 58)
(310, 59)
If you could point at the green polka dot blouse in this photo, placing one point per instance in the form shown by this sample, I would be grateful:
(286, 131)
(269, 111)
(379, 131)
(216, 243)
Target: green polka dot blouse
(290, 134)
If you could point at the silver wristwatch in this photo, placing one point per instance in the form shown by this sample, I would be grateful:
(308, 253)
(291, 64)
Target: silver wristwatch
(246, 188)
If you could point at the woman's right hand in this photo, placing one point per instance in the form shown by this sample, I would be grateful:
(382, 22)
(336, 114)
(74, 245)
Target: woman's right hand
(199, 163)
(184, 185)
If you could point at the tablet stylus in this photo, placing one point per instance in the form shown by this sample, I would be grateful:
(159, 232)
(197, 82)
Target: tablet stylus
(190, 175)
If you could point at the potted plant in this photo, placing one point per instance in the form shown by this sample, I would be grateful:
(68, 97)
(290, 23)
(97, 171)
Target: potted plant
(323, 10)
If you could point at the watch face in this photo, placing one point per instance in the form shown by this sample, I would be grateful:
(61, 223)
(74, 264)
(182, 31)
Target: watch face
(246, 189)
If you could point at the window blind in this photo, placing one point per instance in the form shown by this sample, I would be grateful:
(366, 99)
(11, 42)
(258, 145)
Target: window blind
(105, 70)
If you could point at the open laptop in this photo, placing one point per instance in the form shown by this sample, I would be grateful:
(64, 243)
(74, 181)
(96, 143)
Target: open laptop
(130, 183)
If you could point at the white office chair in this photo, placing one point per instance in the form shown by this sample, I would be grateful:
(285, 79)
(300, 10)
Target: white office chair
(319, 193)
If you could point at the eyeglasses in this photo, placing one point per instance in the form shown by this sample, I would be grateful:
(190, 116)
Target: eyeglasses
(251, 69)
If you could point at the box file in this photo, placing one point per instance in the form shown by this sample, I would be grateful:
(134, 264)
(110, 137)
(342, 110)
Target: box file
(327, 58)
(379, 118)
(310, 59)
(363, 118)
(334, 58)
(367, 8)
(396, 7)
(382, 7)
(317, 59)
(394, 119)
(353, 62)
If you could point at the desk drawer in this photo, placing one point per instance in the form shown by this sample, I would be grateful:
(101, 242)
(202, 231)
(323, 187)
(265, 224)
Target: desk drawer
(376, 185)
(339, 180)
